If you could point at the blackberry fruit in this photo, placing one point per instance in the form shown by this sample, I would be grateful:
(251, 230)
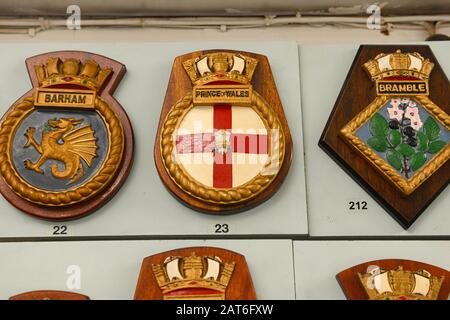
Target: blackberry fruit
(393, 124)
(412, 142)
(409, 131)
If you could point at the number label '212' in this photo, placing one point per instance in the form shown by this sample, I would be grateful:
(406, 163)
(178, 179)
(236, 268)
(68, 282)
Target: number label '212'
(357, 205)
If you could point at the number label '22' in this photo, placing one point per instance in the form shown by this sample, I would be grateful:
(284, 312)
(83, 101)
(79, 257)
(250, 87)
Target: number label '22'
(59, 230)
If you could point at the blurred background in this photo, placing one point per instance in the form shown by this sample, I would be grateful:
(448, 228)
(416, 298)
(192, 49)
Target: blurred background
(319, 21)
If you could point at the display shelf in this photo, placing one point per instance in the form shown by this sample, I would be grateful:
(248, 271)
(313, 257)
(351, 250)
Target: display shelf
(143, 207)
(110, 269)
(318, 262)
(331, 191)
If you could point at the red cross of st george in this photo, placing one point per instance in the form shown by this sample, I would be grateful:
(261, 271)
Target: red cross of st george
(223, 161)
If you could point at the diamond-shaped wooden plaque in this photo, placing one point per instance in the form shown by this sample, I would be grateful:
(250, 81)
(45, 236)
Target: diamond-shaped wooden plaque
(404, 190)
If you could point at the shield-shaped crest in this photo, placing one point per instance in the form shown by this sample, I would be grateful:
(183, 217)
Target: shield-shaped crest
(66, 146)
(195, 273)
(223, 143)
(395, 279)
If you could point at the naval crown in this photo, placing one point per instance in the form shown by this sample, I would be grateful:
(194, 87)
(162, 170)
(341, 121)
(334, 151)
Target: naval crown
(178, 274)
(399, 64)
(220, 66)
(400, 284)
(71, 71)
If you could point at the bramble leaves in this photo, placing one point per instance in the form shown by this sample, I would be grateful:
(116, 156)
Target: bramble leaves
(436, 146)
(378, 126)
(377, 143)
(431, 129)
(422, 142)
(417, 160)
(394, 158)
(395, 138)
(406, 150)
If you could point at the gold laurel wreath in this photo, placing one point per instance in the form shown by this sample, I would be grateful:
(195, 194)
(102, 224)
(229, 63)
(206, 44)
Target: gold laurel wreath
(82, 192)
(406, 186)
(221, 196)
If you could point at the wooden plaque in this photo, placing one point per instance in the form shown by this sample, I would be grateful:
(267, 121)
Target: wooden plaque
(66, 146)
(223, 143)
(390, 128)
(49, 295)
(395, 279)
(196, 273)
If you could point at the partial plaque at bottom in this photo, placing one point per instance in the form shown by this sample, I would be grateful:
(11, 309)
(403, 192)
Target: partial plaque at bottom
(395, 279)
(196, 273)
(49, 295)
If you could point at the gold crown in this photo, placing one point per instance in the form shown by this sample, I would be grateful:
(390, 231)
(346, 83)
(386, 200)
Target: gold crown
(399, 284)
(72, 71)
(399, 64)
(181, 277)
(220, 66)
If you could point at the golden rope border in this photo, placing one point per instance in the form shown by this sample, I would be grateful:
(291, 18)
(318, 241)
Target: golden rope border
(221, 196)
(405, 186)
(81, 193)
